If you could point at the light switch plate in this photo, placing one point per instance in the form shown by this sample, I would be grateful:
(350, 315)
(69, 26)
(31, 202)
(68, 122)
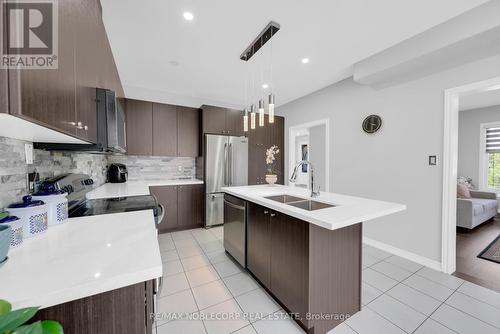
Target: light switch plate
(28, 150)
(432, 160)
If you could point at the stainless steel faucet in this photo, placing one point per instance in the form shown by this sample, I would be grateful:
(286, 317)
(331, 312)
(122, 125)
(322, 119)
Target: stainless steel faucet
(314, 192)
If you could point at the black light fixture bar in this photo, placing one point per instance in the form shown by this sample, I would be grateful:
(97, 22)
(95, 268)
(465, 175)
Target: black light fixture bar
(269, 31)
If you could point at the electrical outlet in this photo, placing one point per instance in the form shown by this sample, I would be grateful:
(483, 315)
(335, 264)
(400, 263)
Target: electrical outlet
(180, 168)
(28, 150)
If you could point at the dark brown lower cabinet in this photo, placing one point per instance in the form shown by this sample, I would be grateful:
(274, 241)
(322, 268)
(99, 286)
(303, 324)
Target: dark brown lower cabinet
(313, 272)
(259, 243)
(121, 311)
(190, 206)
(290, 262)
(183, 206)
(167, 197)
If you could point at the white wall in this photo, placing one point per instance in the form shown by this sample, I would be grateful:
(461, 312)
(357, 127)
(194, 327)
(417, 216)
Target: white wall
(392, 164)
(317, 156)
(469, 137)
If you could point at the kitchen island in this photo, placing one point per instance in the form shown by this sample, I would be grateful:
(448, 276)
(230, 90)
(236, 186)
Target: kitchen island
(306, 252)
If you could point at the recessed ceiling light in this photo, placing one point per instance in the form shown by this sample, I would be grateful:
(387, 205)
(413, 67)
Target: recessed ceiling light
(265, 86)
(305, 60)
(188, 16)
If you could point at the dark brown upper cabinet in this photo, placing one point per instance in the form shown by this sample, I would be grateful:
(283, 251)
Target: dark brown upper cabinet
(259, 140)
(63, 99)
(87, 30)
(139, 127)
(4, 92)
(164, 130)
(48, 96)
(188, 132)
(218, 120)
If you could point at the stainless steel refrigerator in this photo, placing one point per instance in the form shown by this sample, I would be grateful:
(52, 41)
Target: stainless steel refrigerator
(226, 164)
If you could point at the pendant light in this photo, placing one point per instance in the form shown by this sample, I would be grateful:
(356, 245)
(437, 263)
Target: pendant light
(271, 108)
(245, 121)
(261, 112)
(271, 95)
(252, 117)
(269, 31)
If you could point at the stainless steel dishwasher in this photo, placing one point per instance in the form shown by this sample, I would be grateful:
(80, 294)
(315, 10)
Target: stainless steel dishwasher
(235, 228)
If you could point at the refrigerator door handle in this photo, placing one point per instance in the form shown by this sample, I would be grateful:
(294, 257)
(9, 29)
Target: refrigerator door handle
(225, 165)
(230, 164)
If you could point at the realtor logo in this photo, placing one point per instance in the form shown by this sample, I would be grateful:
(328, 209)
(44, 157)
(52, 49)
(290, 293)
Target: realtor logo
(29, 34)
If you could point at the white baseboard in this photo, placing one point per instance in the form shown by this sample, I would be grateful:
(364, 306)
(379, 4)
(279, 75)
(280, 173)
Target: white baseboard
(433, 264)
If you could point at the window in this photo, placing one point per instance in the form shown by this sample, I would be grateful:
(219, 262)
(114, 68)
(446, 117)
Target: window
(490, 140)
(493, 171)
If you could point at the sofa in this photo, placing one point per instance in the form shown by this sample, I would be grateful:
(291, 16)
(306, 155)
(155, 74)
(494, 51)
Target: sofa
(477, 209)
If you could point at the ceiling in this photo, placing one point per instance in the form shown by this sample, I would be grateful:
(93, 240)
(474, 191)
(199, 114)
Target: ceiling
(480, 100)
(162, 57)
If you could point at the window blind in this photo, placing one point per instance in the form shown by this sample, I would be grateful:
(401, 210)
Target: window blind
(493, 140)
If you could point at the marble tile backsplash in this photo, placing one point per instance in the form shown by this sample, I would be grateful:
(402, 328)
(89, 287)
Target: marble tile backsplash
(151, 168)
(13, 167)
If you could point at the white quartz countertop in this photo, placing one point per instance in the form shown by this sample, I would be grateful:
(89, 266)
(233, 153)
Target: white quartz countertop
(134, 188)
(349, 210)
(82, 257)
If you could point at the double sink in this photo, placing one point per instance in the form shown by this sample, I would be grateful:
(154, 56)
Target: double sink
(301, 203)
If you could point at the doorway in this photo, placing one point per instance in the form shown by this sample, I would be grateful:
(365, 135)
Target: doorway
(310, 141)
(453, 200)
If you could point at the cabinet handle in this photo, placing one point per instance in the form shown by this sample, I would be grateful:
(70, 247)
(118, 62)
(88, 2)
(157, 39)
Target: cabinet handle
(266, 212)
(273, 215)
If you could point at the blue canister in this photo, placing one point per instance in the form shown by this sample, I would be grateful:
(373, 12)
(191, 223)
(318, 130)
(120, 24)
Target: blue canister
(33, 214)
(16, 226)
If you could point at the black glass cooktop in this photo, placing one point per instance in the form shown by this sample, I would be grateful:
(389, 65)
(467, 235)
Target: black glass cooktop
(104, 206)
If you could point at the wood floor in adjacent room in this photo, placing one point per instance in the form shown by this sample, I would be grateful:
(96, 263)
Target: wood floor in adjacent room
(469, 244)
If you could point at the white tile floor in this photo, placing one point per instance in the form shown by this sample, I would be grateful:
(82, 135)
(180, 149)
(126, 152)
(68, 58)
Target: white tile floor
(398, 296)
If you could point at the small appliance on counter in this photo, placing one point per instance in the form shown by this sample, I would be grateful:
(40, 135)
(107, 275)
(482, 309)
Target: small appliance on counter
(16, 228)
(117, 173)
(33, 213)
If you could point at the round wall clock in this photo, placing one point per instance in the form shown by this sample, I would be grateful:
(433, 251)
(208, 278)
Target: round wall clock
(372, 124)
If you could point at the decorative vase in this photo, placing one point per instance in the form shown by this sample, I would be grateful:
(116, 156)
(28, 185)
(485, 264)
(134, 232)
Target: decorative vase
(271, 179)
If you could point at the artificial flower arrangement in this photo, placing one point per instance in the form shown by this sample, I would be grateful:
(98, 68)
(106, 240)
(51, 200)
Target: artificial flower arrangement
(271, 153)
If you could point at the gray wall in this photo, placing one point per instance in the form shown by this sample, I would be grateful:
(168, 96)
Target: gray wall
(391, 165)
(468, 139)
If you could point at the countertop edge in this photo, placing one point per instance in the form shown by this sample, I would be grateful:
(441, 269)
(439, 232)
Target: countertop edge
(330, 226)
(88, 290)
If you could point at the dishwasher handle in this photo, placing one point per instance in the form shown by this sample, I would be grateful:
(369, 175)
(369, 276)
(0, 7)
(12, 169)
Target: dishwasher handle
(237, 207)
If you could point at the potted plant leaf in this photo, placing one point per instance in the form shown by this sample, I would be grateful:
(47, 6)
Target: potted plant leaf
(13, 322)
